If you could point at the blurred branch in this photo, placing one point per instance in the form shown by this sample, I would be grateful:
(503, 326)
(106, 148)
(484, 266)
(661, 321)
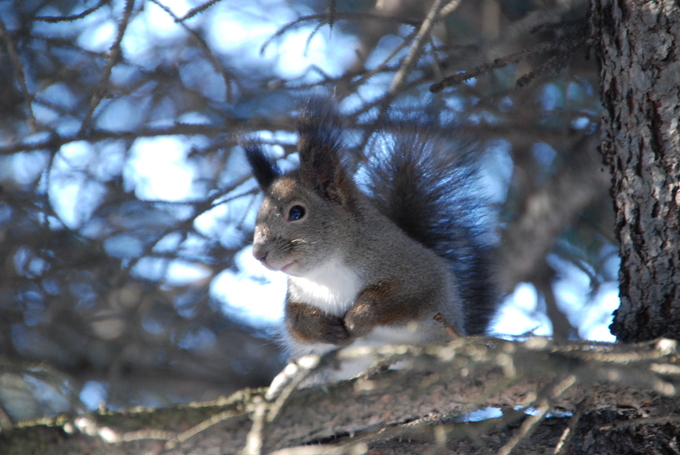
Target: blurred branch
(325, 18)
(414, 52)
(18, 68)
(73, 17)
(198, 9)
(548, 210)
(114, 56)
(456, 79)
(204, 46)
(565, 46)
(636, 383)
(543, 278)
(55, 141)
(449, 8)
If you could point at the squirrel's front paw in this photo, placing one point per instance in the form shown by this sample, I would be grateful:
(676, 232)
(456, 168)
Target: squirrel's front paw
(333, 330)
(311, 325)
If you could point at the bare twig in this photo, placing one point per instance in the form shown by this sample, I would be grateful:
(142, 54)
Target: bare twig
(383, 65)
(325, 18)
(295, 374)
(199, 9)
(5, 421)
(663, 420)
(487, 67)
(114, 56)
(255, 437)
(331, 13)
(206, 49)
(73, 17)
(416, 47)
(55, 141)
(450, 330)
(18, 73)
(563, 444)
(193, 431)
(449, 8)
(541, 410)
(311, 35)
(554, 63)
(283, 385)
(568, 45)
(436, 64)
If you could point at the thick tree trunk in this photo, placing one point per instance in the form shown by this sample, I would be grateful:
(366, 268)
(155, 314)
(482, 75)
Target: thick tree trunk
(640, 89)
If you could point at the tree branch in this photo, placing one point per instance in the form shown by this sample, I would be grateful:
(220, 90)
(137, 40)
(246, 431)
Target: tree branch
(441, 382)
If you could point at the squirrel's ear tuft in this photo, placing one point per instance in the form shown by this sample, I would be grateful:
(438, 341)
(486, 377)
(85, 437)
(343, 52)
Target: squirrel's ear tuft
(319, 144)
(264, 168)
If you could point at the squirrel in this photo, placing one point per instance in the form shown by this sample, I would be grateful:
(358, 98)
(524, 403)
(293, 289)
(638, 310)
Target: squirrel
(374, 263)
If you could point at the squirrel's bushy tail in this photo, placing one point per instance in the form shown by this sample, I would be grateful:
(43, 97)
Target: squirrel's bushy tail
(427, 187)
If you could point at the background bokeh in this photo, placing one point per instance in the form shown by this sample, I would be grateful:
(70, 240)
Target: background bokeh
(126, 206)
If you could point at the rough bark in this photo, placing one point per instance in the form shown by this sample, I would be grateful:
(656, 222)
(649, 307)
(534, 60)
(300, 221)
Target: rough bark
(640, 88)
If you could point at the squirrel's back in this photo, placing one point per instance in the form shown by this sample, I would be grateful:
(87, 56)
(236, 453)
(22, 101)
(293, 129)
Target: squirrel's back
(426, 183)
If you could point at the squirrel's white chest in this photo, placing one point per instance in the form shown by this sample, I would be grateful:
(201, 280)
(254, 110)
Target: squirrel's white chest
(332, 287)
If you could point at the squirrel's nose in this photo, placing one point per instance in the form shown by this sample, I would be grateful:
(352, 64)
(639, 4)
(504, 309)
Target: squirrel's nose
(260, 254)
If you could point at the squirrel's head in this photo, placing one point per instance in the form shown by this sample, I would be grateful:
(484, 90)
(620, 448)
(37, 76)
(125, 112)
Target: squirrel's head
(304, 215)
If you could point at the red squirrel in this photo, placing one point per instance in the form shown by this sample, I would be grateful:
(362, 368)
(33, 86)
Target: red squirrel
(374, 264)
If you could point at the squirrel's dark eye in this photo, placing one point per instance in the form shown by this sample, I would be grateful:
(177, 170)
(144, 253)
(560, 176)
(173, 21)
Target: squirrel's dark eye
(296, 212)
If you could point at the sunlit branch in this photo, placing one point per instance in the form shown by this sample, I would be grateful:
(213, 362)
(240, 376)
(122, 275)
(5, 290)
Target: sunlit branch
(413, 54)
